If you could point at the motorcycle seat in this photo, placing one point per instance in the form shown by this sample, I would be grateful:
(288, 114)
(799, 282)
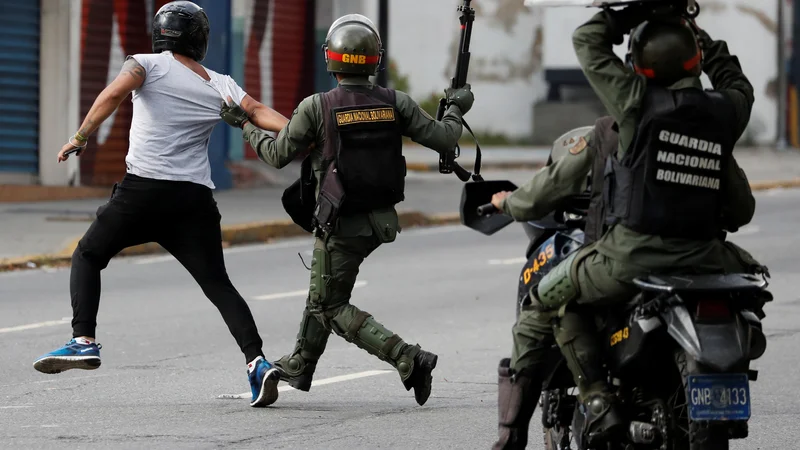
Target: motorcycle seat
(700, 283)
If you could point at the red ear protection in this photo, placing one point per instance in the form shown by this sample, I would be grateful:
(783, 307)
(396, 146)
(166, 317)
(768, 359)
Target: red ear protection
(698, 58)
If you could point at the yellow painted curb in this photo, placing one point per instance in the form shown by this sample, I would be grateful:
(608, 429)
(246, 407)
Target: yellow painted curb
(247, 233)
(509, 165)
(445, 219)
(33, 262)
(765, 185)
(69, 249)
(421, 167)
(256, 232)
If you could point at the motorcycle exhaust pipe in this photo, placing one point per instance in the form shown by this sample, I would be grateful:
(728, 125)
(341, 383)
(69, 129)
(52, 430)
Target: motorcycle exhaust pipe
(643, 433)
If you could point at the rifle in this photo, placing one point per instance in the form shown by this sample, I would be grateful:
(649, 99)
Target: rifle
(689, 7)
(447, 161)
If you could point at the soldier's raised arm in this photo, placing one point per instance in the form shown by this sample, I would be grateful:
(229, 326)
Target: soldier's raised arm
(423, 129)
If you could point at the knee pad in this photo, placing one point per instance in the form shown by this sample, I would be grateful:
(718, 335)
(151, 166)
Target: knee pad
(558, 287)
(319, 291)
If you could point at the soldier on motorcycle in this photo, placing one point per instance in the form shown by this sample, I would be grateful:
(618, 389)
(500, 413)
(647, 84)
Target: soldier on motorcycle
(665, 191)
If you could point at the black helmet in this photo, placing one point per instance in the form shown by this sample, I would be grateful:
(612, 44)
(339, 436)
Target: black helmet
(665, 51)
(353, 45)
(181, 27)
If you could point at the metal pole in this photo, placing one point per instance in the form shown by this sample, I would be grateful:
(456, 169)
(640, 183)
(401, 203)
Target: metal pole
(782, 80)
(383, 29)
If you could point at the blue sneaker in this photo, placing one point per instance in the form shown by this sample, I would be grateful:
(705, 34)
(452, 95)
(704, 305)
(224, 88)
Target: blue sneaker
(264, 383)
(73, 355)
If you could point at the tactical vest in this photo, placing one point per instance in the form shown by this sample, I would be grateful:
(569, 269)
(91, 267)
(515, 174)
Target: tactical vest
(605, 143)
(363, 136)
(670, 181)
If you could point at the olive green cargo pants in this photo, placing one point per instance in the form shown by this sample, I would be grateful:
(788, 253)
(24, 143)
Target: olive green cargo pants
(598, 278)
(600, 281)
(334, 269)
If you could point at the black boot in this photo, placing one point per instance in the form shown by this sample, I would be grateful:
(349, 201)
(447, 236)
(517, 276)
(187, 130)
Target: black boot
(603, 423)
(584, 356)
(297, 368)
(517, 396)
(420, 378)
(296, 371)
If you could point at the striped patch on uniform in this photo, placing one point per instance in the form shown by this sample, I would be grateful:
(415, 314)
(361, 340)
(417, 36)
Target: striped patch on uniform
(365, 116)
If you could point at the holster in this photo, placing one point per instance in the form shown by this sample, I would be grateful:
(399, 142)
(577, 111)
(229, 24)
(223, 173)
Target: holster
(298, 199)
(329, 202)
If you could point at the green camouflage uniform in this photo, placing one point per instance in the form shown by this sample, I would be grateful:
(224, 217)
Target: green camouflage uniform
(603, 271)
(336, 260)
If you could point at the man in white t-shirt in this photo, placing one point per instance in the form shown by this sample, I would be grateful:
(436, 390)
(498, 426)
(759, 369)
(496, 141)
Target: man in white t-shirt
(166, 195)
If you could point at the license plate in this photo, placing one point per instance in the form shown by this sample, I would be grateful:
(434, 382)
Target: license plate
(719, 397)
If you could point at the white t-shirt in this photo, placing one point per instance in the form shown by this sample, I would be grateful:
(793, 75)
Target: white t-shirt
(174, 113)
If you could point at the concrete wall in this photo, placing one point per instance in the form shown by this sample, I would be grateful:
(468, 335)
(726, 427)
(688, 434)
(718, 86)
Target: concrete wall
(749, 28)
(511, 47)
(58, 92)
(512, 44)
(505, 68)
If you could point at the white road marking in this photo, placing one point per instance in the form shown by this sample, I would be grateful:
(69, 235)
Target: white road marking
(16, 407)
(31, 326)
(154, 259)
(324, 381)
(774, 191)
(58, 379)
(747, 230)
(506, 262)
(299, 293)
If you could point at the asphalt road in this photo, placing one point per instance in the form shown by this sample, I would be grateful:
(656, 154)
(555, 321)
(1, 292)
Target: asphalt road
(167, 355)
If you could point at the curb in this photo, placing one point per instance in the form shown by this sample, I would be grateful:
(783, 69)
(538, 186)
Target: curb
(507, 165)
(37, 193)
(262, 232)
(247, 233)
(775, 184)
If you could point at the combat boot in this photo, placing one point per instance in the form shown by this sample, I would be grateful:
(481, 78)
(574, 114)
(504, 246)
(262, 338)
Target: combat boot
(298, 368)
(603, 422)
(420, 377)
(517, 395)
(584, 357)
(412, 363)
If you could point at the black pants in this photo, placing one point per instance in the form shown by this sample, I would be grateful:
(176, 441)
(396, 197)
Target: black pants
(183, 218)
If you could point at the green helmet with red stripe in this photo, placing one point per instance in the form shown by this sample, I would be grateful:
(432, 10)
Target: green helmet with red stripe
(353, 46)
(666, 50)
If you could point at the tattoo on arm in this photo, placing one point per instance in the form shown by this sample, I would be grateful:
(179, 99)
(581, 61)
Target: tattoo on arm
(87, 128)
(134, 69)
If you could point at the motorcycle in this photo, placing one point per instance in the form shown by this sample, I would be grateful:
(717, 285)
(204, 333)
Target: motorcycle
(677, 354)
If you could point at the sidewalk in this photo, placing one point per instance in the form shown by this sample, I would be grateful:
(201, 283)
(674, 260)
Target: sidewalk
(33, 228)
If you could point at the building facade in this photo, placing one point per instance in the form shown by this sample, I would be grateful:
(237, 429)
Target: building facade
(57, 55)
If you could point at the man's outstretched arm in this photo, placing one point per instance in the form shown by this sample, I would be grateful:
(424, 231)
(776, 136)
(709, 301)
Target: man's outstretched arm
(262, 115)
(129, 79)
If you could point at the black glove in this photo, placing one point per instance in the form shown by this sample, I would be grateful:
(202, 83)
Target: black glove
(233, 114)
(461, 97)
(624, 20)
